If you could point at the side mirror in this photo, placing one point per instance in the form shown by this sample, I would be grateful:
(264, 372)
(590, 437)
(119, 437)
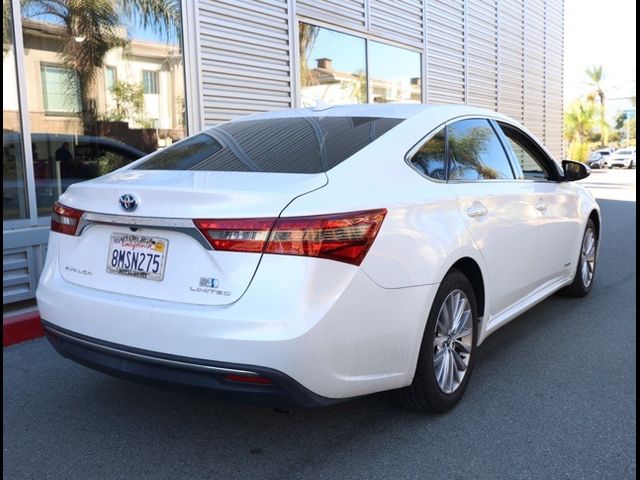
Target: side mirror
(575, 170)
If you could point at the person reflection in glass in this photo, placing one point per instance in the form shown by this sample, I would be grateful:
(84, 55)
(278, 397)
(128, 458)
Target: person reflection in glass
(64, 156)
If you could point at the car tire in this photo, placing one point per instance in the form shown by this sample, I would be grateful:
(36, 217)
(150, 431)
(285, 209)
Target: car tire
(580, 287)
(430, 392)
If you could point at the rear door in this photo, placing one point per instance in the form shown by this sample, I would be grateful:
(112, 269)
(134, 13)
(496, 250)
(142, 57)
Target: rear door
(498, 209)
(556, 204)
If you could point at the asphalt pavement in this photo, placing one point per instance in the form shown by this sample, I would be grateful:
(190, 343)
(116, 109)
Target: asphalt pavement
(553, 396)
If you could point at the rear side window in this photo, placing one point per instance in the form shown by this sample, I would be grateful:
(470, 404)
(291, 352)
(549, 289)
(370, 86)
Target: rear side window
(281, 145)
(431, 159)
(476, 153)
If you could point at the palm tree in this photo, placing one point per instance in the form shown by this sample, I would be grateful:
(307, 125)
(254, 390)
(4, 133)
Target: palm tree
(307, 37)
(162, 14)
(579, 120)
(596, 78)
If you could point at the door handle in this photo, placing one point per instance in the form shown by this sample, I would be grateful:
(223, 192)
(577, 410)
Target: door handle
(477, 210)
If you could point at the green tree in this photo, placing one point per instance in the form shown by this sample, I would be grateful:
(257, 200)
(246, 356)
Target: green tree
(596, 76)
(579, 120)
(129, 99)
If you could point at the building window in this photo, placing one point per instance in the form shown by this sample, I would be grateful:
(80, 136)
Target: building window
(336, 68)
(394, 74)
(59, 90)
(150, 81)
(14, 192)
(81, 126)
(111, 77)
(332, 67)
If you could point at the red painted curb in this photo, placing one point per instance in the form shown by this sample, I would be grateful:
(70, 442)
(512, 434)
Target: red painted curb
(20, 328)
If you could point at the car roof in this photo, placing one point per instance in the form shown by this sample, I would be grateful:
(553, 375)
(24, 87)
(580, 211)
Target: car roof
(378, 110)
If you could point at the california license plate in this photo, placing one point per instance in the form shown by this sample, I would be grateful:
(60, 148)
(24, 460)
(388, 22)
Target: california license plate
(137, 256)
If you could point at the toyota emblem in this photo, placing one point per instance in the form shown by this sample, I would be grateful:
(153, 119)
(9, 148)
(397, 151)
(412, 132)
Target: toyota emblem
(128, 202)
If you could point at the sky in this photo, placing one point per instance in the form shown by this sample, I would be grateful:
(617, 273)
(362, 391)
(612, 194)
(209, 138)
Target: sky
(600, 33)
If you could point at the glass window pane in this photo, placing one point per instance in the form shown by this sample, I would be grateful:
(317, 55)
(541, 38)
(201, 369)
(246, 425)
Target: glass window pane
(394, 74)
(532, 168)
(89, 113)
(59, 90)
(332, 67)
(111, 78)
(476, 153)
(431, 158)
(14, 193)
(150, 81)
(283, 145)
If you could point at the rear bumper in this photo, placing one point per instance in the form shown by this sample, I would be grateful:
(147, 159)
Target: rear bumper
(324, 324)
(175, 371)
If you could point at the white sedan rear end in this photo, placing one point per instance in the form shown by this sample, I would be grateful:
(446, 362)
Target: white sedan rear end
(308, 256)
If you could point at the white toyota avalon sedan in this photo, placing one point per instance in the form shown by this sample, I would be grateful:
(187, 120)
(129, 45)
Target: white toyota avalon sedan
(303, 257)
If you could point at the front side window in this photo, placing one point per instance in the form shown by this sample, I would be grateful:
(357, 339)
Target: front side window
(533, 168)
(431, 158)
(280, 145)
(476, 153)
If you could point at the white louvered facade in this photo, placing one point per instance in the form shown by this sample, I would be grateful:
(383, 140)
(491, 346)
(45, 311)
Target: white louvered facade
(241, 57)
(503, 55)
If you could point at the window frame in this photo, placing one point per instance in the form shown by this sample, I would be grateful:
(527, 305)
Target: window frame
(416, 147)
(297, 58)
(156, 81)
(56, 113)
(110, 68)
(554, 167)
(500, 141)
(535, 149)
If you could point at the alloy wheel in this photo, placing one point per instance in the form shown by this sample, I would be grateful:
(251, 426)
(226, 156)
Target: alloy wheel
(588, 257)
(452, 341)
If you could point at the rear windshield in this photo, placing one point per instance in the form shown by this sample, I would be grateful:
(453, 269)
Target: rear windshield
(283, 145)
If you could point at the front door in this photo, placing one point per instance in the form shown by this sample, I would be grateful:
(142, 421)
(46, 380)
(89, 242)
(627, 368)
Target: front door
(498, 209)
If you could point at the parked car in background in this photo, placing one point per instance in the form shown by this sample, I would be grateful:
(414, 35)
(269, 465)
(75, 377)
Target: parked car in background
(60, 160)
(307, 256)
(624, 158)
(597, 160)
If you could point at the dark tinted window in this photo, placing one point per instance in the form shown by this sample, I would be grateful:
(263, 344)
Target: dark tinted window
(431, 158)
(528, 154)
(476, 153)
(531, 168)
(283, 145)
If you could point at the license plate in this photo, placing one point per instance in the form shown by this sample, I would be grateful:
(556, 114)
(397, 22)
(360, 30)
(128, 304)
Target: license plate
(137, 256)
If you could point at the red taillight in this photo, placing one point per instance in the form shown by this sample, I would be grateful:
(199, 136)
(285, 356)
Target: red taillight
(65, 219)
(345, 237)
(245, 235)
